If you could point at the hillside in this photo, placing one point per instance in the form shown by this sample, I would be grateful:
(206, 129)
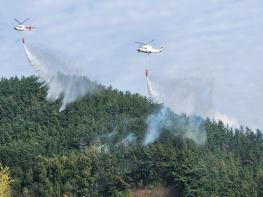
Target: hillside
(94, 148)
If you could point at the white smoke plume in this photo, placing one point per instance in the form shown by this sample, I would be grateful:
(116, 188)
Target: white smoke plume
(128, 140)
(194, 129)
(188, 94)
(164, 119)
(183, 126)
(155, 122)
(226, 120)
(57, 76)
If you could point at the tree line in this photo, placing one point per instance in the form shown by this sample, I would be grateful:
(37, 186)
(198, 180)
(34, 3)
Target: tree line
(80, 151)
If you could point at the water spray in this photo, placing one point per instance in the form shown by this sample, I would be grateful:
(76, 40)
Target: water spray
(152, 94)
(57, 76)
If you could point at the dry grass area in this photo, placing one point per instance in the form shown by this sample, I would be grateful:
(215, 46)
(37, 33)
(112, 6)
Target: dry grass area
(159, 191)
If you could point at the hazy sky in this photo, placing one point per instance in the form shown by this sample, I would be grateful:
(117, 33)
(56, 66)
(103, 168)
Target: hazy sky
(211, 64)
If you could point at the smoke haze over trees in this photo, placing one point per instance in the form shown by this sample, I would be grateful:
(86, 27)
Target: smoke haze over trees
(95, 148)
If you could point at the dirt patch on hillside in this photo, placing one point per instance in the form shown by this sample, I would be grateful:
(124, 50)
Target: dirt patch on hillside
(159, 191)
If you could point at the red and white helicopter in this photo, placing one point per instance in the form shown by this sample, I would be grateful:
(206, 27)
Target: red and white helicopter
(22, 27)
(147, 48)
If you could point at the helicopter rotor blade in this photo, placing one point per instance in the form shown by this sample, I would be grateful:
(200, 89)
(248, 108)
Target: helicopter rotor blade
(140, 43)
(25, 20)
(150, 42)
(17, 21)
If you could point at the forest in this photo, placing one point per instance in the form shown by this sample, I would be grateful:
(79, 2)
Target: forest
(95, 148)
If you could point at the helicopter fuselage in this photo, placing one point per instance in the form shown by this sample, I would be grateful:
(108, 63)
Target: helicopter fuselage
(148, 49)
(20, 28)
(24, 27)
